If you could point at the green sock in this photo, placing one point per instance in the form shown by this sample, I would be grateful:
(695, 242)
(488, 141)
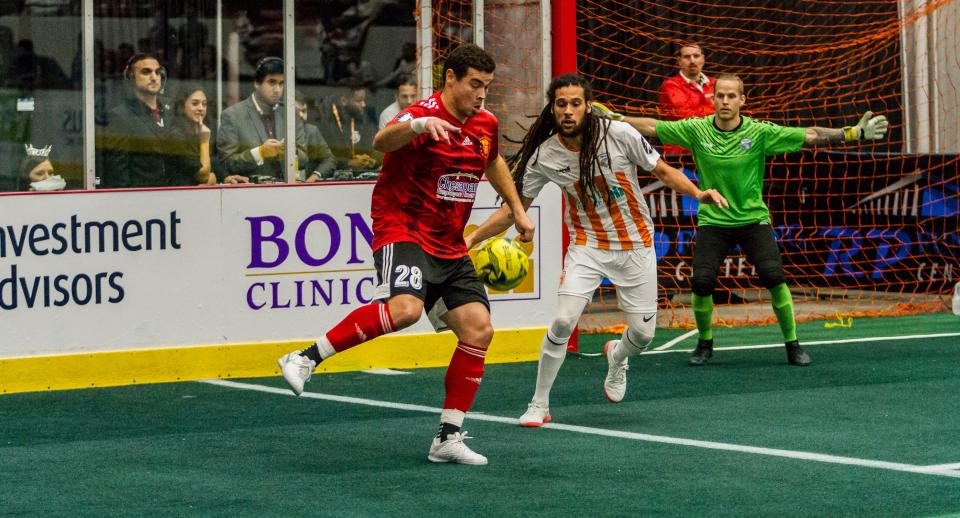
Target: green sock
(703, 313)
(783, 307)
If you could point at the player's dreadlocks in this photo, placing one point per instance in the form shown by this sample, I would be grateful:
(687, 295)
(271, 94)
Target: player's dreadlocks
(593, 130)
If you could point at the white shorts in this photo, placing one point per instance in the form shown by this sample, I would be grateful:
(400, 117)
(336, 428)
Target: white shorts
(633, 272)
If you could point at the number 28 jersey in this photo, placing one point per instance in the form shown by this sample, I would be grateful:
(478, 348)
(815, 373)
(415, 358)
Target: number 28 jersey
(426, 189)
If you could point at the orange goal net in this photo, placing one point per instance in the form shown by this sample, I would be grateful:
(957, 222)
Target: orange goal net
(866, 229)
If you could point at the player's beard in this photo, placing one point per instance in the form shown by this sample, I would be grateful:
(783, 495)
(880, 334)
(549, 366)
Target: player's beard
(571, 133)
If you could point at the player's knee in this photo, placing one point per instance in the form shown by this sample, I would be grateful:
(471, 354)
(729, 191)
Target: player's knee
(405, 313)
(771, 275)
(562, 327)
(702, 283)
(478, 333)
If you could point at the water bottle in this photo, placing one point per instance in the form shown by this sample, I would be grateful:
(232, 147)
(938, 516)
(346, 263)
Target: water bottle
(956, 299)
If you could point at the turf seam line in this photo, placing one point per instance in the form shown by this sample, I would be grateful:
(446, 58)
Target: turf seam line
(790, 454)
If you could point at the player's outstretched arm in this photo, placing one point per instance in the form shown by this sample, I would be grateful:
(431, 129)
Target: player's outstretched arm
(646, 126)
(494, 225)
(870, 127)
(394, 136)
(499, 176)
(676, 180)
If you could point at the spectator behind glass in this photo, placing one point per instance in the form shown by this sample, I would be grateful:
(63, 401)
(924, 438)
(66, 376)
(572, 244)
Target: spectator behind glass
(405, 66)
(36, 171)
(250, 141)
(320, 162)
(405, 95)
(689, 93)
(189, 126)
(138, 146)
(348, 131)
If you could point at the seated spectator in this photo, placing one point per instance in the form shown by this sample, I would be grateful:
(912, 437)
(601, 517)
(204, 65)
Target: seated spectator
(36, 171)
(689, 93)
(405, 95)
(191, 130)
(320, 163)
(138, 145)
(348, 131)
(251, 138)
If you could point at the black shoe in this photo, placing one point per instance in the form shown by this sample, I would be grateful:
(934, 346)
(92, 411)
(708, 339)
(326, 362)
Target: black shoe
(795, 355)
(701, 355)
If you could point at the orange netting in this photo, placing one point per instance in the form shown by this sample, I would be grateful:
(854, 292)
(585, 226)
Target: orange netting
(512, 36)
(864, 230)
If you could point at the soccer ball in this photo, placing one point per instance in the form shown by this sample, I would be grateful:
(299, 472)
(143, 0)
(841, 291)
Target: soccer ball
(501, 264)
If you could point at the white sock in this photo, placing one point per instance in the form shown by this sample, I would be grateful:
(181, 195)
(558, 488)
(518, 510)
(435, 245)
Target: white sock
(552, 353)
(637, 336)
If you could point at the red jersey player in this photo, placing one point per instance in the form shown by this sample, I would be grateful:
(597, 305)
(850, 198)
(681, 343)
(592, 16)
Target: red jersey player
(436, 152)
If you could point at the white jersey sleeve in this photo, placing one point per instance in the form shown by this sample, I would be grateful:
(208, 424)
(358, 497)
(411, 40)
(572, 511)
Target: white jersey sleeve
(535, 177)
(635, 146)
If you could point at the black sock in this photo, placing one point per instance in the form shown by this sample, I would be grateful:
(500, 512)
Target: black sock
(445, 430)
(312, 352)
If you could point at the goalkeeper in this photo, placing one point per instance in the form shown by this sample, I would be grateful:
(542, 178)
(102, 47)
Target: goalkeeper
(594, 162)
(730, 153)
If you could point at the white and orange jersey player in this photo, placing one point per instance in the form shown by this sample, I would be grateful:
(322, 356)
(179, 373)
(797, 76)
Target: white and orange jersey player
(595, 162)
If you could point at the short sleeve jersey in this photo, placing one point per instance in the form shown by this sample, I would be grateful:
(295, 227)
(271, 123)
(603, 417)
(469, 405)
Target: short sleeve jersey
(732, 162)
(623, 222)
(426, 189)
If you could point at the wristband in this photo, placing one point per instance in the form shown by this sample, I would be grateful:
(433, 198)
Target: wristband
(852, 134)
(419, 125)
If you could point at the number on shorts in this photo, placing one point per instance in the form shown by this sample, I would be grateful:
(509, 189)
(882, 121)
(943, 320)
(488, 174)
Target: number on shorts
(414, 273)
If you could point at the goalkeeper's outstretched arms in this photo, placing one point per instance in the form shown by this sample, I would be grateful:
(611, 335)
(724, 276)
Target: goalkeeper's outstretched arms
(495, 224)
(870, 127)
(646, 126)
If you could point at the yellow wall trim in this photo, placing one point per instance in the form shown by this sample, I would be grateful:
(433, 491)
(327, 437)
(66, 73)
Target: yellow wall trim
(110, 369)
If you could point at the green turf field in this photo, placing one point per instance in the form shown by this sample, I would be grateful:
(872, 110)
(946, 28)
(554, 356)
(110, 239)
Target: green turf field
(870, 429)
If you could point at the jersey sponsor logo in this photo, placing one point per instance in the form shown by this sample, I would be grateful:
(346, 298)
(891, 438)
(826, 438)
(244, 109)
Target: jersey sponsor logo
(708, 145)
(404, 117)
(458, 187)
(467, 141)
(746, 144)
(564, 170)
(485, 146)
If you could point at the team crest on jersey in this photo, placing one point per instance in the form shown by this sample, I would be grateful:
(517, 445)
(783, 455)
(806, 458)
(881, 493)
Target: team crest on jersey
(746, 144)
(458, 187)
(404, 117)
(485, 146)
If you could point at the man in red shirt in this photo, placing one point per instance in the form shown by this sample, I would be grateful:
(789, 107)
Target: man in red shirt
(436, 152)
(687, 94)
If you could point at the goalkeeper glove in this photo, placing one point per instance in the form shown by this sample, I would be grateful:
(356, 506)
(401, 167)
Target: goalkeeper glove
(869, 128)
(606, 113)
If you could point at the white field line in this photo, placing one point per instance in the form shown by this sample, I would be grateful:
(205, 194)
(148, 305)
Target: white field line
(676, 340)
(798, 455)
(819, 342)
(941, 467)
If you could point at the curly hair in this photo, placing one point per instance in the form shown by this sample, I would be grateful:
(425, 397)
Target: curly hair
(593, 131)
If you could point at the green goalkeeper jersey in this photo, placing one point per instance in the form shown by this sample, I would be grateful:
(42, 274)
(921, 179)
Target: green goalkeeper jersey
(732, 162)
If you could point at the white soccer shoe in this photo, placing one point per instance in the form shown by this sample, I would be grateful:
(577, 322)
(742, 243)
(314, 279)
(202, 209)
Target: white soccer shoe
(615, 385)
(455, 450)
(296, 370)
(536, 415)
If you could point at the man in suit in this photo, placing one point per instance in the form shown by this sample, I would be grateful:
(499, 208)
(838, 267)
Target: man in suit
(136, 149)
(252, 132)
